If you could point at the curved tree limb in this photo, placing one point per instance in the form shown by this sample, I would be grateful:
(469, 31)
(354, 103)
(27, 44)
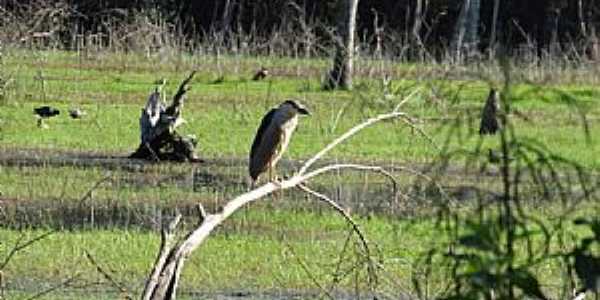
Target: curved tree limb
(354, 130)
(163, 280)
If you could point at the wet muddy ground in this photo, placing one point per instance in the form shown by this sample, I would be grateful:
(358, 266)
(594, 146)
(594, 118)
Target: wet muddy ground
(213, 182)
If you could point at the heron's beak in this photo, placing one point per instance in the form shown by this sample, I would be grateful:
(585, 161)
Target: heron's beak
(304, 111)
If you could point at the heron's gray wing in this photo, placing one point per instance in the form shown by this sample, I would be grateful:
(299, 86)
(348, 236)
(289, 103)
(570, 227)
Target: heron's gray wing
(489, 121)
(267, 119)
(263, 148)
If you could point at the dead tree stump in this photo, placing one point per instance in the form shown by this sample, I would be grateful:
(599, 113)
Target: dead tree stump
(159, 138)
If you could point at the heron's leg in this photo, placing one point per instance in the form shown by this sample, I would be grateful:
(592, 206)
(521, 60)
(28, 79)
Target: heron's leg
(273, 179)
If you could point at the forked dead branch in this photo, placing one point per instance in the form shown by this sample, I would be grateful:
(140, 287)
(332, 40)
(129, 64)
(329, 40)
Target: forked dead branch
(164, 278)
(158, 124)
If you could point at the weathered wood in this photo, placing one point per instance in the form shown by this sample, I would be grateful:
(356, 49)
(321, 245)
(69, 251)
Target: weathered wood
(158, 124)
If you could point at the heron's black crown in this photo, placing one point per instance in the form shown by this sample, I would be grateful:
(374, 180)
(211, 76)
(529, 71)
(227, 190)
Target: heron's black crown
(299, 107)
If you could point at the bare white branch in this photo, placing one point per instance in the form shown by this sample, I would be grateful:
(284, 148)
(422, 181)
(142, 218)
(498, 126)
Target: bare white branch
(354, 130)
(163, 281)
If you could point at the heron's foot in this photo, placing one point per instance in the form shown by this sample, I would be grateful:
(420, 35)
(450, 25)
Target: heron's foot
(278, 193)
(277, 182)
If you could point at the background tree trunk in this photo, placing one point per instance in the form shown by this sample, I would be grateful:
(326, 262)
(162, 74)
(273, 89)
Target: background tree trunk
(340, 75)
(492, 44)
(416, 43)
(466, 34)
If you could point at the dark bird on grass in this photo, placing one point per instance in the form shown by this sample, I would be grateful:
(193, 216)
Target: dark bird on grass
(489, 115)
(45, 112)
(219, 80)
(493, 157)
(76, 113)
(273, 137)
(261, 74)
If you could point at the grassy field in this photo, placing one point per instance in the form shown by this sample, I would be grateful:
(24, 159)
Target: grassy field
(112, 90)
(286, 244)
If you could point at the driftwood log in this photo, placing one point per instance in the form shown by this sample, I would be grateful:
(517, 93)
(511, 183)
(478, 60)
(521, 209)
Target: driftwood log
(158, 124)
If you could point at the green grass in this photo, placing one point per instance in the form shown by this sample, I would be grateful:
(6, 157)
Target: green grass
(225, 116)
(271, 250)
(264, 257)
(259, 249)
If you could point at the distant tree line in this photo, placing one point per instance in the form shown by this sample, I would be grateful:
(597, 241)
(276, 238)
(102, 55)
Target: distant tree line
(541, 23)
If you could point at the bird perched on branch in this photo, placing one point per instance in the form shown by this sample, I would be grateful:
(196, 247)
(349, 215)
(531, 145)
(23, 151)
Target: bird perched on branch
(45, 112)
(273, 137)
(261, 74)
(489, 115)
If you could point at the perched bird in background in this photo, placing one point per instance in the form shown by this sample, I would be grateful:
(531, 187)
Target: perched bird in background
(76, 113)
(489, 118)
(273, 137)
(45, 112)
(261, 74)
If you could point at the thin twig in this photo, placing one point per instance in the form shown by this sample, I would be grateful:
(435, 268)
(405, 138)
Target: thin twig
(53, 288)
(89, 192)
(340, 260)
(350, 220)
(20, 246)
(106, 275)
(354, 130)
(308, 272)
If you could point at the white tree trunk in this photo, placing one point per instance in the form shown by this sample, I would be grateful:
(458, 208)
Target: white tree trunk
(466, 33)
(493, 34)
(416, 43)
(340, 75)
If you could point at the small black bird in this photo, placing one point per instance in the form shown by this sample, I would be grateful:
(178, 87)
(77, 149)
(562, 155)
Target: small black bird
(76, 113)
(489, 115)
(219, 80)
(261, 74)
(45, 112)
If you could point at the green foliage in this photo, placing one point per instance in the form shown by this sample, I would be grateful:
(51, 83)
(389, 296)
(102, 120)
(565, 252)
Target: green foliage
(585, 257)
(497, 250)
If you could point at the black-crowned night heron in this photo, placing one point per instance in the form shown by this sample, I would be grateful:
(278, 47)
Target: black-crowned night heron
(489, 118)
(45, 112)
(273, 137)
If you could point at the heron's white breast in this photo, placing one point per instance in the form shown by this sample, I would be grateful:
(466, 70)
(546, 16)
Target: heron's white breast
(287, 128)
